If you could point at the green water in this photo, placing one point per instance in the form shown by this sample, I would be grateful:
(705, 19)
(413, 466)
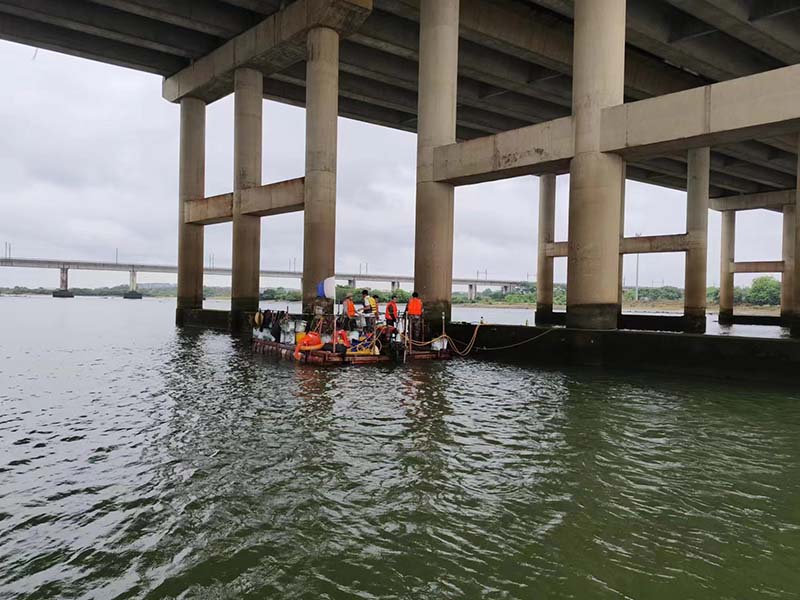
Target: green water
(137, 461)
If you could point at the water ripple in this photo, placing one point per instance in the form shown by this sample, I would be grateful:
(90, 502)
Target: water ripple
(162, 464)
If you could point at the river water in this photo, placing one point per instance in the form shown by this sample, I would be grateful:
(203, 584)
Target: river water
(138, 461)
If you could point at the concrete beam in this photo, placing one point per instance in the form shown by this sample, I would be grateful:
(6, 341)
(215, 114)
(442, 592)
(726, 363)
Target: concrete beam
(207, 211)
(764, 104)
(758, 266)
(274, 198)
(262, 201)
(647, 244)
(556, 249)
(274, 44)
(537, 149)
(112, 24)
(733, 18)
(768, 200)
(76, 43)
(212, 18)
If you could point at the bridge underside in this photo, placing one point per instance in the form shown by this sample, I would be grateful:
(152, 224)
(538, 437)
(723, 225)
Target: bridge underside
(696, 95)
(514, 67)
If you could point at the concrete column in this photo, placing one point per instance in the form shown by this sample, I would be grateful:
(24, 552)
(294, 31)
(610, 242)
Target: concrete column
(191, 186)
(352, 283)
(248, 104)
(133, 292)
(472, 291)
(436, 125)
(727, 254)
(796, 274)
(544, 263)
(694, 308)
(788, 306)
(322, 110)
(596, 178)
(620, 285)
(395, 285)
(63, 287)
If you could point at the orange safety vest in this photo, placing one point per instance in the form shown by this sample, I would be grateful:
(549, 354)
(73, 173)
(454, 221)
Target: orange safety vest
(349, 307)
(391, 311)
(414, 307)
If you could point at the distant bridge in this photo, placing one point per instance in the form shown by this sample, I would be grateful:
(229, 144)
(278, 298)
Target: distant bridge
(64, 266)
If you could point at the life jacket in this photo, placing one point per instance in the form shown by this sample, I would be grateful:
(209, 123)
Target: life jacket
(373, 305)
(391, 311)
(414, 307)
(349, 307)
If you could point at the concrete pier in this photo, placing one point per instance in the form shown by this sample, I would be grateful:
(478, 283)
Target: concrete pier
(133, 292)
(596, 178)
(322, 110)
(248, 103)
(63, 287)
(694, 310)
(726, 258)
(795, 329)
(544, 263)
(788, 304)
(191, 186)
(436, 126)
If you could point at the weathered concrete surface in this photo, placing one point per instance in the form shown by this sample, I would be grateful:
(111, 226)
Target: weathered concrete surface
(246, 254)
(758, 266)
(191, 186)
(596, 178)
(276, 43)
(537, 149)
(438, 74)
(726, 258)
(676, 242)
(708, 355)
(766, 200)
(261, 201)
(208, 211)
(765, 104)
(696, 263)
(544, 263)
(322, 110)
(788, 303)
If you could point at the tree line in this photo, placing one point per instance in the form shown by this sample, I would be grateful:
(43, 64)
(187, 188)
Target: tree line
(764, 291)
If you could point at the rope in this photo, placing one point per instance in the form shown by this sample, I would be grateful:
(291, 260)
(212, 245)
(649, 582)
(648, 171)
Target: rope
(536, 337)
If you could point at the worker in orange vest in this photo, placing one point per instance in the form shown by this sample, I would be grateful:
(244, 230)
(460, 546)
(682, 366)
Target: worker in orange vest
(392, 312)
(414, 313)
(349, 309)
(414, 307)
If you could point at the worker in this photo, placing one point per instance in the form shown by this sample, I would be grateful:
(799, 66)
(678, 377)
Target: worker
(391, 317)
(414, 314)
(414, 306)
(391, 311)
(349, 310)
(370, 309)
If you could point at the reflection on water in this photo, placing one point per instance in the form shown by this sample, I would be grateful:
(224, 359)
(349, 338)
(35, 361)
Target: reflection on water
(137, 461)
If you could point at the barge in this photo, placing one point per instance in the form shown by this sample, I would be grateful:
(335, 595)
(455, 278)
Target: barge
(337, 340)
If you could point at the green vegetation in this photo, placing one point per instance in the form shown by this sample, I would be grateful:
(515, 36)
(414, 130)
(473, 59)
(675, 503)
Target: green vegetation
(161, 291)
(764, 291)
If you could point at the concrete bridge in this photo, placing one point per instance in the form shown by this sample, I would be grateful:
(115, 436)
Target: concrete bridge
(352, 279)
(701, 95)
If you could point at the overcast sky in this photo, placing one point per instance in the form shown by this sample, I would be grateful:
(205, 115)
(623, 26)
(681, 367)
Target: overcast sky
(88, 164)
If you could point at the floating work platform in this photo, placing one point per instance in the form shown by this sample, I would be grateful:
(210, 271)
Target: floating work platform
(336, 340)
(329, 357)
